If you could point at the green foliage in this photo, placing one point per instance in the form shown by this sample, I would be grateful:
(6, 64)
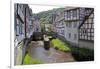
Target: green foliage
(46, 16)
(28, 60)
(58, 44)
(82, 54)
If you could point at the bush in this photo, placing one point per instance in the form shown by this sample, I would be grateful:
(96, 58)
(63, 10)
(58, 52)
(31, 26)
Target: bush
(29, 60)
(58, 44)
(82, 54)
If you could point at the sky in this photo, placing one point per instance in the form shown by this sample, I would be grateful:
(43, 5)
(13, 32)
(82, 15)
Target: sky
(40, 8)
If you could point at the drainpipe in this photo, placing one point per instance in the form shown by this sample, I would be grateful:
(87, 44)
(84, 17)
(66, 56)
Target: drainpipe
(25, 24)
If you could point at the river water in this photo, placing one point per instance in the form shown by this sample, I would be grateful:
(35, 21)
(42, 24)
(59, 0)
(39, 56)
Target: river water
(37, 51)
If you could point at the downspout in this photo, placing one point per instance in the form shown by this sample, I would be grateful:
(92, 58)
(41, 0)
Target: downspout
(25, 24)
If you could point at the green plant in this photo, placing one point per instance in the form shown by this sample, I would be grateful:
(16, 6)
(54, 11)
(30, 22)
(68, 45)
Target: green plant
(82, 54)
(58, 44)
(28, 60)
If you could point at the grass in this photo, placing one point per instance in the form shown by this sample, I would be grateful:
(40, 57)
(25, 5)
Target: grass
(28, 60)
(58, 44)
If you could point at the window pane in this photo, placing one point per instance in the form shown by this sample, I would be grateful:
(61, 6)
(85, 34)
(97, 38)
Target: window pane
(82, 37)
(75, 36)
(89, 25)
(92, 30)
(69, 35)
(85, 37)
(88, 38)
(88, 34)
(92, 34)
(88, 30)
(92, 38)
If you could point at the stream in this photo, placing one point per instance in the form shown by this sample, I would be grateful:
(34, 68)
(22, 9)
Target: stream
(37, 51)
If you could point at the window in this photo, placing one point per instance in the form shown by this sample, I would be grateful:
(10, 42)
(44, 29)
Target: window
(17, 27)
(84, 32)
(20, 27)
(75, 24)
(92, 34)
(75, 36)
(71, 14)
(31, 26)
(77, 14)
(66, 23)
(88, 37)
(68, 14)
(65, 15)
(88, 30)
(89, 34)
(92, 25)
(92, 30)
(69, 24)
(82, 37)
(89, 26)
(69, 35)
(80, 34)
(86, 26)
(85, 37)
(62, 32)
(92, 38)
(74, 13)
